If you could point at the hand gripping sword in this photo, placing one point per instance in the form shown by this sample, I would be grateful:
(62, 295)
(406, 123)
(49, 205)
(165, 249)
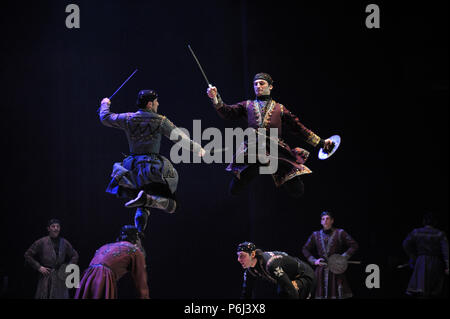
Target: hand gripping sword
(204, 75)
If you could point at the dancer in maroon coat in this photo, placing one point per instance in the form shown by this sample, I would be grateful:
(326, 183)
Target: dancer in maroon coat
(49, 256)
(265, 113)
(321, 245)
(110, 263)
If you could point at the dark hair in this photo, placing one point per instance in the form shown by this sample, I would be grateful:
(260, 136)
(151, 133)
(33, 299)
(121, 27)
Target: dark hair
(325, 213)
(53, 221)
(428, 219)
(128, 233)
(145, 96)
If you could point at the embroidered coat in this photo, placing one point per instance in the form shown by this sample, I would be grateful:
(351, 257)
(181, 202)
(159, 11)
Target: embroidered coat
(266, 115)
(323, 244)
(110, 263)
(42, 253)
(144, 130)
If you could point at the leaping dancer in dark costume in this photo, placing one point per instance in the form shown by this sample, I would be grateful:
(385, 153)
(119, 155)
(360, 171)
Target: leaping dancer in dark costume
(145, 178)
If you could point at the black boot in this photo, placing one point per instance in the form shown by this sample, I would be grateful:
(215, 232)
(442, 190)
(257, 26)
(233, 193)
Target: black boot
(140, 218)
(152, 201)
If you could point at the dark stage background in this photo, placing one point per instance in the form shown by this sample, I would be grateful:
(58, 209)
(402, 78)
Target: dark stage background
(385, 91)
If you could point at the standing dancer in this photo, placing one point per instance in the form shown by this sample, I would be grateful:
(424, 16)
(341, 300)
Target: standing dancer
(49, 255)
(265, 113)
(145, 178)
(427, 248)
(323, 244)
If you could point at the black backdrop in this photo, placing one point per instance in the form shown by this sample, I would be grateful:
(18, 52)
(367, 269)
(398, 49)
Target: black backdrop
(385, 91)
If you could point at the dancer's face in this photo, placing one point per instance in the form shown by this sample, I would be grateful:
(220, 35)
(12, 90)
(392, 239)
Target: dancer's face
(262, 87)
(53, 230)
(245, 259)
(153, 105)
(327, 222)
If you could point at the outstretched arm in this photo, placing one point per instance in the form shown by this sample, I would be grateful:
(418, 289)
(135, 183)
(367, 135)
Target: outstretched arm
(228, 112)
(175, 134)
(295, 127)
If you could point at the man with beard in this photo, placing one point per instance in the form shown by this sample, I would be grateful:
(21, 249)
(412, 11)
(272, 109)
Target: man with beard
(49, 256)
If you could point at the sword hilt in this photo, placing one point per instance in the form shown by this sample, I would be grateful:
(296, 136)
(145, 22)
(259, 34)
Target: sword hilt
(215, 100)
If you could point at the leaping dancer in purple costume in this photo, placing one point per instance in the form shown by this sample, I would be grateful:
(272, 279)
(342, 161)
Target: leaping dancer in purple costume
(265, 113)
(145, 178)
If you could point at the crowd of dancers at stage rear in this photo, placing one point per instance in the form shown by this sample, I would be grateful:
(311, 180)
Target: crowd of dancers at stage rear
(147, 181)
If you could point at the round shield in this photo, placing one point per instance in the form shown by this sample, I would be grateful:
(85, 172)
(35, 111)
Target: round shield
(337, 141)
(337, 264)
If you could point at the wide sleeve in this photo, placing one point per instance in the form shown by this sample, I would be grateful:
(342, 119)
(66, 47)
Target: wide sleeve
(176, 135)
(32, 252)
(247, 285)
(110, 119)
(139, 275)
(231, 112)
(71, 253)
(295, 127)
(308, 248)
(350, 243)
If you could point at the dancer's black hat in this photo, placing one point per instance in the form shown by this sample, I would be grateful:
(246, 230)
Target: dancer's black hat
(247, 247)
(145, 96)
(263, 76)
